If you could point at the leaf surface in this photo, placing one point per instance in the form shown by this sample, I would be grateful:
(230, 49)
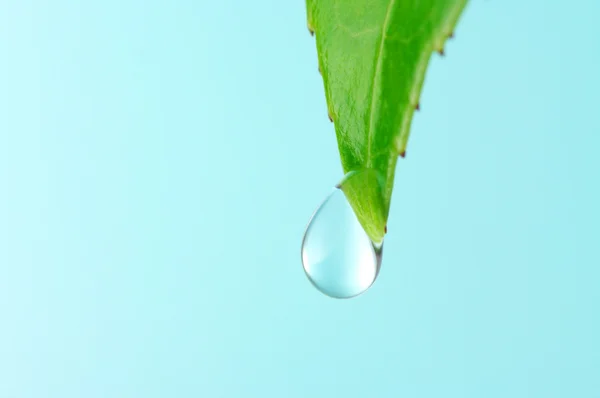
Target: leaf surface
(373, 55)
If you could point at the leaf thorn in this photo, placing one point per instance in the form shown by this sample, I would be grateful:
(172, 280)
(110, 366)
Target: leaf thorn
(418, 106)
(385, 229)
(451, 35)
(330, 117)
(441, 52)
(311, 31)
(403, 154)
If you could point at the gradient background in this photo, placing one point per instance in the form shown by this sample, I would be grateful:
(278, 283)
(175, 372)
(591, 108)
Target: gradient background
(159, 162)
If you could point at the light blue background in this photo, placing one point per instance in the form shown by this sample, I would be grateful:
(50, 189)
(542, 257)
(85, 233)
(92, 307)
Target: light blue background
(159, 161)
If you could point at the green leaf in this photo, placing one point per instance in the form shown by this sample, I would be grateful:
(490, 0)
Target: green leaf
(373, 55)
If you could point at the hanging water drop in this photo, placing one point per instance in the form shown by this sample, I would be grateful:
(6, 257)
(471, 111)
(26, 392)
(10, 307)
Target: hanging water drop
(338, 256)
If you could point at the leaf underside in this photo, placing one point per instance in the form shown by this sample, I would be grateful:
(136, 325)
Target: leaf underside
(373, 55)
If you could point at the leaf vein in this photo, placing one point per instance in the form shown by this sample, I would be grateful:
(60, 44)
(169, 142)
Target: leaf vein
(376, 72)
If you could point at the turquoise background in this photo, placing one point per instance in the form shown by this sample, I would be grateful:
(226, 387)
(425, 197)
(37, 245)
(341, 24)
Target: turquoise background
(159, 162)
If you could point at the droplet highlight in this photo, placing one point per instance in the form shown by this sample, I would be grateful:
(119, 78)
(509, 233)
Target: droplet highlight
(338, 256)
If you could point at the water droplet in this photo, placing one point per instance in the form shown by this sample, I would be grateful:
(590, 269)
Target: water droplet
(338, 256)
